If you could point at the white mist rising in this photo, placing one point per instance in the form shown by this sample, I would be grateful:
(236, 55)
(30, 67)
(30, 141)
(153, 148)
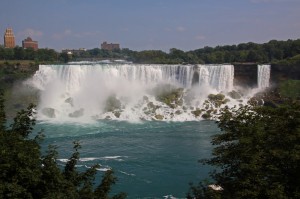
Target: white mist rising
(83, 93)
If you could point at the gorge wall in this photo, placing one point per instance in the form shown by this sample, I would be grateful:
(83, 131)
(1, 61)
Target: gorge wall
(280, 73)
(245, 75)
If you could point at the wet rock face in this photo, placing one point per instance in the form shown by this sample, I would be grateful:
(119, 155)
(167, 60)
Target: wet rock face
(245, 75)
(195, 79)
(112, 104)
(279, 73)
(77, 113)
(270, 98)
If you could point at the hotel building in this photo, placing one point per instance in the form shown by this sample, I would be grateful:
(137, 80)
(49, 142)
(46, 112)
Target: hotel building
(28, 43)
(9, 38)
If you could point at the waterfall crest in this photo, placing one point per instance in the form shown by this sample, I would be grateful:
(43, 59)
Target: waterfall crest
(219, 77)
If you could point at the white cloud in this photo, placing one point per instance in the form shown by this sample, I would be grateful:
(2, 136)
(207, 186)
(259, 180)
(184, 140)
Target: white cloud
(29, 32)
(200, 37)
(181, 29)
(124, 29)
(70, 33)
(59, 36)
(167, 29)
(67, 32)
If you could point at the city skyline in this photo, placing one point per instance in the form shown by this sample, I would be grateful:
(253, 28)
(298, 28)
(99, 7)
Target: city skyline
(146, 25)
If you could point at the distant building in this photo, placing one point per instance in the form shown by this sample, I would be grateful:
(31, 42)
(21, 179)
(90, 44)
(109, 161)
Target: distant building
(106, 46)
(28, 43)
(9, 38)
(78, 52)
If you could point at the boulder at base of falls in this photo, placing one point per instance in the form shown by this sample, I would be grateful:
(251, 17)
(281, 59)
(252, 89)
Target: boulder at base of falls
(170, 95)
(70, 101)
(197, 112)
(112, 103)
(117, 114)
(159, 117)
(235, 95)
(217, 99)
(77, 113)
(49, 112)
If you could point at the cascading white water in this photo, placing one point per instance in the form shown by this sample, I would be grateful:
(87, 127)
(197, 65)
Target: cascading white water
(79, 92)
(219, 77)
(263, 76)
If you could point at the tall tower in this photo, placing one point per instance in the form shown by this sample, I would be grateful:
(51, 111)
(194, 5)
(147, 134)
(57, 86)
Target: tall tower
(9, 38)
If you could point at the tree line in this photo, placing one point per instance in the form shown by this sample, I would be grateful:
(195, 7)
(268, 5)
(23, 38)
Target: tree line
(271, 52)
(19, 53)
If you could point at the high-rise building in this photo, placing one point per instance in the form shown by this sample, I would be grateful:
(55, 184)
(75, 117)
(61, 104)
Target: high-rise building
(9, 38)
(28, 43)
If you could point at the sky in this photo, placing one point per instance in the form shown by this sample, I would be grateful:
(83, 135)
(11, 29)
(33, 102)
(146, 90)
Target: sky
(149, 24)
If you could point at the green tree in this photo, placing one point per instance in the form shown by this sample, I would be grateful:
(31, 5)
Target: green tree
(19, 53)
(64, 57)
(29, 53)
(26, 173)
(257, 155)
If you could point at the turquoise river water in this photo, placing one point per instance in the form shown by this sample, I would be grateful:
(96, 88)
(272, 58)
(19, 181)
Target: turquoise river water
(150, 159)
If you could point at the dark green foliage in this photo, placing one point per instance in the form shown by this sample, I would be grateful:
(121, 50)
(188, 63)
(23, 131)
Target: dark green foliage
(14, 71)
(24, 122)
(290, 88)
(2, 113)
(25, 173)
(250, 52)
(258, 153)
(105, 187)
(19, 53)
(64, 57)
(273, 51)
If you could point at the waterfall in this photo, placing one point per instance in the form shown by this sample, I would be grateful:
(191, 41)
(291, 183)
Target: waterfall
(83, 90)
(263, 76)
(219, 77)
